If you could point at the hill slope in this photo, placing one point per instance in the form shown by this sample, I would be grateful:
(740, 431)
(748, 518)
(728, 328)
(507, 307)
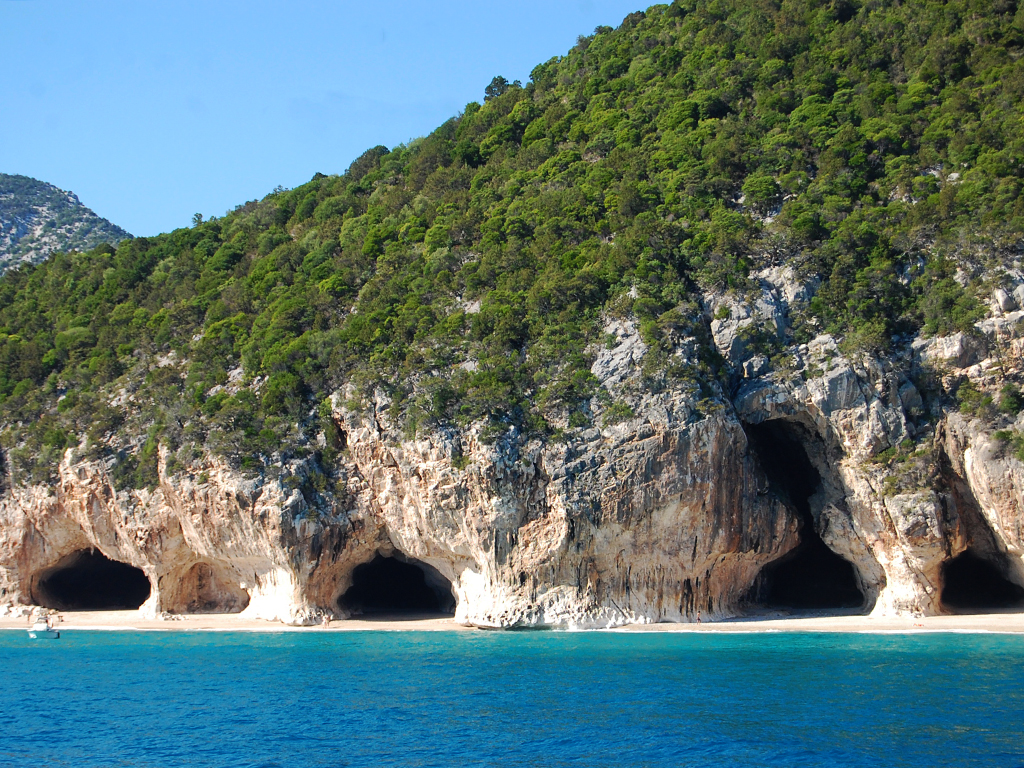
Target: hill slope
(37, 219)
(471, 275)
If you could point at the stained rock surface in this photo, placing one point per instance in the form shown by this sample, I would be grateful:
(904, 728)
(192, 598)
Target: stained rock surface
(818, 468)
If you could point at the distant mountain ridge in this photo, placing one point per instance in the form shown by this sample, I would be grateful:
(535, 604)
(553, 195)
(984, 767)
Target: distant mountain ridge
(37, 219)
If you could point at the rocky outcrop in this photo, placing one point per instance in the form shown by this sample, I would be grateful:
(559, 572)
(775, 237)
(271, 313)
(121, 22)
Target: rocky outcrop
(649, 520)
(950, 487)
(689, 502)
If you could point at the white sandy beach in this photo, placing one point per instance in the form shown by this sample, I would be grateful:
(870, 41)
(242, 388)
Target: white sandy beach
(132, 620)
(232, 622)
(989, 622)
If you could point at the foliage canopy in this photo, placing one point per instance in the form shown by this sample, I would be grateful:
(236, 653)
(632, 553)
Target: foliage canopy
(467, 274)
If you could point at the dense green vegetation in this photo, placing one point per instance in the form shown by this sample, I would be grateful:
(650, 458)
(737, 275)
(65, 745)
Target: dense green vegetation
(875, 144)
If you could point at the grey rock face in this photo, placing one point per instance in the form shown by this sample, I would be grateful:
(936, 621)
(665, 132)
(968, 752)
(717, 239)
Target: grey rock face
(617, 359)
(1018, 295)
(957, 351)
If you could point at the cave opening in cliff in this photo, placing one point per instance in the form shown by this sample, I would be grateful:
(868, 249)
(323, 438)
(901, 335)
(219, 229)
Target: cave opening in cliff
(396, 585)
(210, 588)
(87, 580)
(972, 583)
(811, 576)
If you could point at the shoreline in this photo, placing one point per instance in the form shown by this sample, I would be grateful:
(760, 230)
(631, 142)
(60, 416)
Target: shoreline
(113, 621)
(984, 623)
(131, 621)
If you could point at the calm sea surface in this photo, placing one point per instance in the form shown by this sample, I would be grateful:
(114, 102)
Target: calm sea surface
(527, 698)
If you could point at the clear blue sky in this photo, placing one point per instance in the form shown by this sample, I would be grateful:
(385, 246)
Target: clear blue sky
(151, 112)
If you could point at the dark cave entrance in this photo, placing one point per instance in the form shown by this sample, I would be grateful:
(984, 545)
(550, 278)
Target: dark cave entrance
(973, 584)
(390, 585)
(87, 580)
(811, 576)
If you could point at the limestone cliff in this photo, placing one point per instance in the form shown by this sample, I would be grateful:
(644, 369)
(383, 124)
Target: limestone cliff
(715, 502)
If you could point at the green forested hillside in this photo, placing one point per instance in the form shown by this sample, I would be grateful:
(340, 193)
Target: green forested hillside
(466, 274)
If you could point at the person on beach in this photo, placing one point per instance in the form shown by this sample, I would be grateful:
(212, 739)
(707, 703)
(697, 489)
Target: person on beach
(698, 617)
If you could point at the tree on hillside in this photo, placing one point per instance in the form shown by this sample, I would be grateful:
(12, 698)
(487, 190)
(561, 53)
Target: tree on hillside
(499, 86)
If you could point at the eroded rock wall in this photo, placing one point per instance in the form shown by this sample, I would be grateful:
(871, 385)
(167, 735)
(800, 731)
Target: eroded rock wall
(663, 514)
(648, 520)
(949, 486)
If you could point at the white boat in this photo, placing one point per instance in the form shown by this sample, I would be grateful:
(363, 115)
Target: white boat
(42, 630)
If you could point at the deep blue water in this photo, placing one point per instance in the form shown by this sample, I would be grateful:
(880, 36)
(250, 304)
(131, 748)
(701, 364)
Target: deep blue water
(529, 698)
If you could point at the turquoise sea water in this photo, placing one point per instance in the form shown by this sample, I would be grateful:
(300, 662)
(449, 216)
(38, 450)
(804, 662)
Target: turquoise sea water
(528, 698)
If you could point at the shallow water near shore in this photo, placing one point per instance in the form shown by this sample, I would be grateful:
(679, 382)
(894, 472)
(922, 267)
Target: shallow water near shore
(503, 698)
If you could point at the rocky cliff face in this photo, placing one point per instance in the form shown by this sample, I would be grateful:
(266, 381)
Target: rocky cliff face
(848, 477)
